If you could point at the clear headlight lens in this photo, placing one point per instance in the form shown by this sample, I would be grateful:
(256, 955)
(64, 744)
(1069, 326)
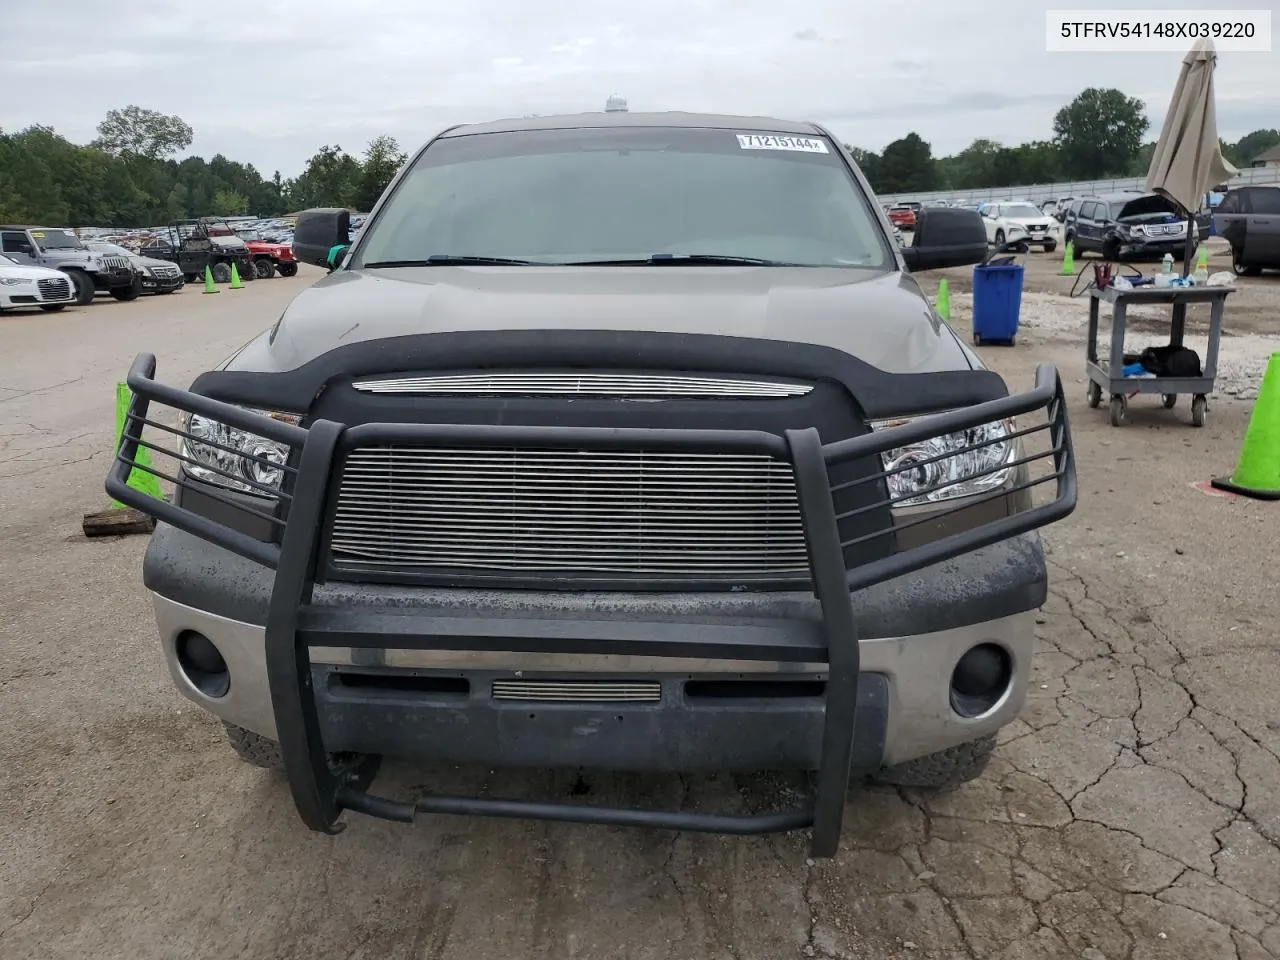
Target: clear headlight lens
(969, 470)
(15, 281)
(245, 471)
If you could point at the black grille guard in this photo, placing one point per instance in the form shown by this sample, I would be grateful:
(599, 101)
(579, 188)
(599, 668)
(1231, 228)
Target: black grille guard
(305, 501)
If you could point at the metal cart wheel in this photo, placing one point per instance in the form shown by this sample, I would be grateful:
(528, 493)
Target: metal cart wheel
(1199, 404)
(1095, 395)
(1169, 400)
(1119, 410)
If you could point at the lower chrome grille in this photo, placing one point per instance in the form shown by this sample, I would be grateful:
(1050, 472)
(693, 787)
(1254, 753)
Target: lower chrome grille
(569, 512)
(54, 289)
(578, 691)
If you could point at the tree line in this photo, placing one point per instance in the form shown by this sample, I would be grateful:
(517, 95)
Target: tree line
(127, 176)
(1099, 135)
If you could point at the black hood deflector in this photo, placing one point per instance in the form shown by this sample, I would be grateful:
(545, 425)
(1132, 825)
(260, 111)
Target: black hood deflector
(877, 393)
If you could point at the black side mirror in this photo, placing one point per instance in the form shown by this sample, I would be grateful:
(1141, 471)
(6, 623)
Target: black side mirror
(319, 234)
(946, 237)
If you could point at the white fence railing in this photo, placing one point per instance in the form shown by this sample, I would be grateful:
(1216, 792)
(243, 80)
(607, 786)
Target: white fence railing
(1075, 188)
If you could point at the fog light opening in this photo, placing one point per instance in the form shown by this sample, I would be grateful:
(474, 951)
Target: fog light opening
(202, 664)
(980, 680)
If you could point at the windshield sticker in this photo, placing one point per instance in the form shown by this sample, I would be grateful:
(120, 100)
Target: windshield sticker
(757, 141)
(38, 234)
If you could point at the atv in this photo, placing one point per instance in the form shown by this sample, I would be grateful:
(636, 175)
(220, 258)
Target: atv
(208, 243)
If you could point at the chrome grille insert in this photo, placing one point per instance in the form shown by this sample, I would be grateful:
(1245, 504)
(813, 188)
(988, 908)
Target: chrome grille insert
(54, 289)
(579, 691)
(569, 512)
(532, 384)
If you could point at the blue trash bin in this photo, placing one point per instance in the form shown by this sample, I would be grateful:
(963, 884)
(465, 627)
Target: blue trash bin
(997, 301)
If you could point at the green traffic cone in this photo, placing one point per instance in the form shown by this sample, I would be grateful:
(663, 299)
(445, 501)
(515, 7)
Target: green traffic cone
(1257, 472)
(1202, 259)
(1068, 259)
(140, 480)
(209, 286)
(944, 300)
(235, 277)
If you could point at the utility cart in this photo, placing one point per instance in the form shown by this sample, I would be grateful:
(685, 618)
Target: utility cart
(1107, 376)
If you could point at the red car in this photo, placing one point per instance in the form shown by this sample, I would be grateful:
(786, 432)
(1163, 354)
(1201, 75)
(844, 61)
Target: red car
(903, 215)
(269, 258)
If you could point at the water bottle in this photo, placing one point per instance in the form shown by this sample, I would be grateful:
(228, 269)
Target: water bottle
(1166, 264)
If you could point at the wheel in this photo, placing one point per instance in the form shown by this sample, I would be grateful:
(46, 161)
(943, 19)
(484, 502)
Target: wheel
(1169, 400)
(999, 239)
(191, 277)
(264, 267)
(1111, 250)
(1199, 406)
(1095, 395)
(977, 340)
(131, 292)
(221, 272)
(1050, 247)
(1119, 410)
(287, 269)
(1077, 251)
(259, 751)
(1241, 269)
(52, 307)
(248, 270)
(941, 770)
(83, 284)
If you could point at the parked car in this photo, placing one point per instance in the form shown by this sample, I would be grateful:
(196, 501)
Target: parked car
(1019, 221)
(1248, 218)
(589, 457)
(269, 257)
(1128, 225)
(60, 249)
(903, 215)
(24, 285)
(155, 275)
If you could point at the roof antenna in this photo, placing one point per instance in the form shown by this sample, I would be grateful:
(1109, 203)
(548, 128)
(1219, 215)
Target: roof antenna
(615, 104)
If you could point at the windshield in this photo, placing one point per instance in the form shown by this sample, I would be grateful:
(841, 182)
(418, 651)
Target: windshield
(1020, 210)
(57, 240)
(248, 235)
(608, 194)
(110, 249)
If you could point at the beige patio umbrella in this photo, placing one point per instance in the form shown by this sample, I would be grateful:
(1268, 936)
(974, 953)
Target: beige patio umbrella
(1188, 157)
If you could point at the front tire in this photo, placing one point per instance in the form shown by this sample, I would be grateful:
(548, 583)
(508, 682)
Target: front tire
(942, 770)
(287, 269)
(1240, 268)
(84, 286)
(999, 239)
(221, 272)
(264, 267)
(131, 292)
(259, 751)
(52, 307)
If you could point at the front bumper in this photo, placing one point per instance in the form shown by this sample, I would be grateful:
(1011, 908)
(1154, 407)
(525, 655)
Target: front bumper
(153, 284)
(310, 627)
(912, 631)
(1130, 247)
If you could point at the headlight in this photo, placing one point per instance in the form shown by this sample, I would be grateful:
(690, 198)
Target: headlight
(266, 471)
(14, 281)
(935, 476)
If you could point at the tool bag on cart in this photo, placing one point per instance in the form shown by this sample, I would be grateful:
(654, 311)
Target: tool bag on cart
(1169, 361)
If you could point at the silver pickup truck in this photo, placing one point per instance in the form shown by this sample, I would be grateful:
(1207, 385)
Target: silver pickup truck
(613, 441)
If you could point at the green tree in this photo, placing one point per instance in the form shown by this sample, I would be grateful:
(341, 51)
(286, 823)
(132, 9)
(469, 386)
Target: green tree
(1099, 133)
(228, 203)
(1243, 151)
(906, 165)
(147, 133)
(868, 162)
(382, 160)
(330, 179)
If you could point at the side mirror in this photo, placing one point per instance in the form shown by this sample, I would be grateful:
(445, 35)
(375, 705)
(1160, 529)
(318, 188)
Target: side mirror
(318, 234)
(946, 237)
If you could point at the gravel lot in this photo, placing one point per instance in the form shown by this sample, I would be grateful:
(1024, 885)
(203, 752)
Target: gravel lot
(1132, 812)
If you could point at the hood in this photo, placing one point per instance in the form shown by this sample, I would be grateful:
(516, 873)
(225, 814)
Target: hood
(1039, 218)
(228, 243)
(29, 272)
(880, 318)
(68, 255)
(1151, 208)
(140, 261)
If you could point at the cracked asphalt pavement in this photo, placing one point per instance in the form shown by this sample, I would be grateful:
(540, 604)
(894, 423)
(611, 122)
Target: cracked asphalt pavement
(1132, 811)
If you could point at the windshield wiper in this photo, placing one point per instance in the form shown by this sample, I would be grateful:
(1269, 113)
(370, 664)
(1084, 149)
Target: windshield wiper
(685, 260)
(450, 260)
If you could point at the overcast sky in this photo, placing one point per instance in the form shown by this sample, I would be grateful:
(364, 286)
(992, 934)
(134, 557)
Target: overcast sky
(270, 89)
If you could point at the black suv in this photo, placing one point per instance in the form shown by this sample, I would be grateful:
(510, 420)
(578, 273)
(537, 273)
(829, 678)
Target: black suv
(1127, 226)
(1249, 219)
